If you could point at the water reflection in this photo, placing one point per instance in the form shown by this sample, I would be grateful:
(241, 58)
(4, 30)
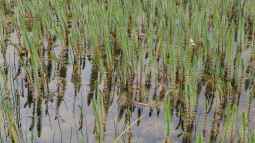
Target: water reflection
(58, 104)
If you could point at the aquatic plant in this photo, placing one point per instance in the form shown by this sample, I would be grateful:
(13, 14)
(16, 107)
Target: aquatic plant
(182, 59)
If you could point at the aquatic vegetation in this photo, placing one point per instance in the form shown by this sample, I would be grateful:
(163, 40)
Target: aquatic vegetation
(127, 71)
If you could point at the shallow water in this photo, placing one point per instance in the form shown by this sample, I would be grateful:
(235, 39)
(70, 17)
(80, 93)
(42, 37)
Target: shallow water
(74, 120)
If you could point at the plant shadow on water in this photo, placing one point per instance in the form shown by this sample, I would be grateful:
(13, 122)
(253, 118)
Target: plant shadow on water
(137, 71)
(61, 118)
(63, 115)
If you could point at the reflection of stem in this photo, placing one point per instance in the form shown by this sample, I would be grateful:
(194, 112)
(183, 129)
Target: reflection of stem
(249, 110)
(81, 119)
(86, 130)
(128, 128)
(61, 137)
(71, 134)
(74, 103)
(53, 137)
